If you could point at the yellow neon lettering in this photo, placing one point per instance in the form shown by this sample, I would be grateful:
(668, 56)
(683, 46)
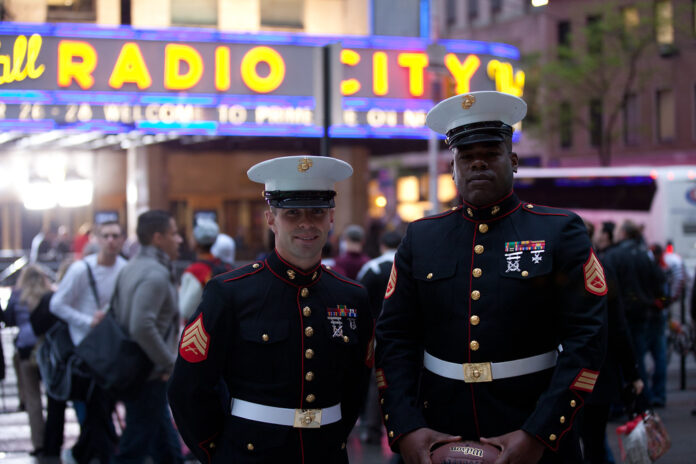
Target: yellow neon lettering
(380, 77)
(18, 54)
(222, 68)
(80, 71)
(5, 63)
(416, 64)
(174, 55)
(462, 72)
(505, 80)
(34, 49)
(276, 66)
(130, 67)
(351, 58)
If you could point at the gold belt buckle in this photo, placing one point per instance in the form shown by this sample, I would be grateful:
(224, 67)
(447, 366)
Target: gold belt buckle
(477, 372)
(307, 418)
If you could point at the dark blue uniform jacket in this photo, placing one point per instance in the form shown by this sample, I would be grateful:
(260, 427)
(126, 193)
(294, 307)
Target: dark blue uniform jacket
(262, 334)
(492, 284)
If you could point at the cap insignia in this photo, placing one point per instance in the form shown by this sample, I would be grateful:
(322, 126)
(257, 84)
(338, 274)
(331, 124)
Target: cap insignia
(468, 101)
(304, 165)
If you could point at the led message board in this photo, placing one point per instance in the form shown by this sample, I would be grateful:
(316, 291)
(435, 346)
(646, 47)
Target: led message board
(193, 81)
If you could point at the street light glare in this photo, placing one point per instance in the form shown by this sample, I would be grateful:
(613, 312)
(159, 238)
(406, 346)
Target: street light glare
(536, 3)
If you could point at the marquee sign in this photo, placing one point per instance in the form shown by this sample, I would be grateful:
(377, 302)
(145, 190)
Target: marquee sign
(194, 81)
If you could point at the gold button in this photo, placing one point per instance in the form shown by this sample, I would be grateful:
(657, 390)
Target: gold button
(386, 417)
(562, 419)
(264, 337)
(469, 212)
(474, 345)
(552, 437)
(314, 276)
(572, 403)
(290, 274)
(425, 405)
(495, 210)
(343, 445)
(429, 276)
(525, 273)
(308, 331)
(475, 295)
(530, 206)
(309, 354)
(310, 398)
(346, 339)
(211, 445)
(478, 249)
(477, 272)
(309, 376)
(391, 434)
(381, 401)
(256, 266)
(250, 446)
(306, 312)
(474, 320)
(304, 292)
(483, 228)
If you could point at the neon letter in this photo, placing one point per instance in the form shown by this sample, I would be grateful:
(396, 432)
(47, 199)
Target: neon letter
(174, 54)
(275, 63)
(82, 70)
(33, 53)
(504, 79)
(130, 67)
(222, 68)
(380, 77)
(350, 58)
(462, 72)
(416, 63)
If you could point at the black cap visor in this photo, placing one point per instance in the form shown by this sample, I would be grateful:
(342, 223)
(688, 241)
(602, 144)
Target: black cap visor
(301, 199)
(482, 132)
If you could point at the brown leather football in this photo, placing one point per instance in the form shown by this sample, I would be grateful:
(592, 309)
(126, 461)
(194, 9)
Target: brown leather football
(465, 452)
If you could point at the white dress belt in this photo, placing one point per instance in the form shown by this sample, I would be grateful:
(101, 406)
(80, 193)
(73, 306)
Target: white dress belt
(487, 371)
(300, 418)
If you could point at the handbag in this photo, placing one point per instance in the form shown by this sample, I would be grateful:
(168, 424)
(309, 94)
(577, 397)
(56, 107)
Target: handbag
(643, 439)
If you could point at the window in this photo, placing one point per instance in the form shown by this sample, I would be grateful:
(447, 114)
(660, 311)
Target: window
(472, 9)
(563, 37)
(596, 122)
(631, 18)
(664, 27)
(282, 13)
(631, 120)
(71, 10)
(451, 12)
(496, 7)
(566, 125)
(594, 34)
(198, 13)
(665, 115)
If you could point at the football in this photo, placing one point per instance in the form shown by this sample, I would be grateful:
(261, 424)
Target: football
(464, 452)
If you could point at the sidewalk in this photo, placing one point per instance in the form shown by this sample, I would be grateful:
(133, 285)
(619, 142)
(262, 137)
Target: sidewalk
(680, 423)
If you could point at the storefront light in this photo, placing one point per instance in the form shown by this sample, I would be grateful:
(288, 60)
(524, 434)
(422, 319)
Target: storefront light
(38, 194)
(381, 201)
(407, 189)
(446, 191)
(75, 192)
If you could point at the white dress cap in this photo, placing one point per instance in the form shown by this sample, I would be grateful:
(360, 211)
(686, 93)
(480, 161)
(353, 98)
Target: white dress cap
(475, 107)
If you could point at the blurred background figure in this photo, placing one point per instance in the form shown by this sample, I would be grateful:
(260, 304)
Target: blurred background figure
(206, 266)
(605, 238)
(374, 275)
(32, 285)
(225, 249)
(351, 256)
(81, 239)
(43, 243)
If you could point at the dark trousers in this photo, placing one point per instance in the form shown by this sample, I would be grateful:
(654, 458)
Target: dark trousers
(149, 429)
(97, 435)
(55, 424)
(593, 431)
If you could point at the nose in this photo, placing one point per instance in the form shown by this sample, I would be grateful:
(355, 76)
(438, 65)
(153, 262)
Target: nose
(479, 163)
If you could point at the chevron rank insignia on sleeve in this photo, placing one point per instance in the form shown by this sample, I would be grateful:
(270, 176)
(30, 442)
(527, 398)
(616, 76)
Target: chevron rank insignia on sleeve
(195, 342)
(595, 282)
(585, 380)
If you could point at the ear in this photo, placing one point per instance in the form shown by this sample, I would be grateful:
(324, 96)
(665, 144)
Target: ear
(331, 217)
(514, 160)
(270, 220)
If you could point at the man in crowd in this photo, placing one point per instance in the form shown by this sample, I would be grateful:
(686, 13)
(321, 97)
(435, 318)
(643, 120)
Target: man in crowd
(80, 301)
(146, 305)
(351, 258)
(492, 324)
(374, 275)
(274, 365)
(206, 266)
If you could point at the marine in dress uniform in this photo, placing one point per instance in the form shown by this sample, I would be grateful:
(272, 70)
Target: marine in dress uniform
(492, 323)
(290, 345)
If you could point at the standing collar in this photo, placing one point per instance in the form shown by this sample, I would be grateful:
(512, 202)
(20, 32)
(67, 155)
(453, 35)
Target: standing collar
(154, 252)
(492, 211)
(292, 274)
